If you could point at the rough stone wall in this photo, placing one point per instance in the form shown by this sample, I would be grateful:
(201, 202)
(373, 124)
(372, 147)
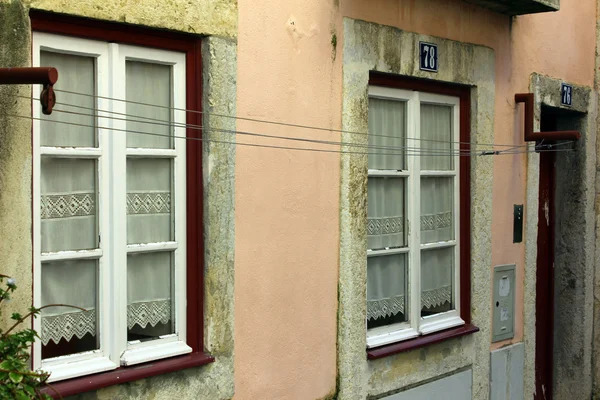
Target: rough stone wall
(213, 381)
(574, 242)
(372, 47)
(596, 282)
(15, 157)
(207, 17)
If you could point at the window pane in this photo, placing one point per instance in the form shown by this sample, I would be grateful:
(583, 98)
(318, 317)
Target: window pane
(437, 138)
(76, 74)
(67, 330)
(437, 209)
(68, 204)
(387, 118)
(149, 200)
(149, 283)
(150, 84)
(387, 290)
(437, 270)
(386, 217)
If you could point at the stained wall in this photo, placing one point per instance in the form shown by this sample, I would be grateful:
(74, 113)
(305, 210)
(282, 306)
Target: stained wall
(297, 78)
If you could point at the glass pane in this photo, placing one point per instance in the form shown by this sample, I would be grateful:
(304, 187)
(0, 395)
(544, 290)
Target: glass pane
(149, 304)
(149, 200)
(387, 128)
(386, 217)
(437, 138)
(68, 204)
(437, 271)
(150, 84)
(437, 209)
(76, 74)
(67, 330)
(387, 290)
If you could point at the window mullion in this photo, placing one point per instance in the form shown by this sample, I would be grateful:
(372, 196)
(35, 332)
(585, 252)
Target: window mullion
(104, 302)
(415, 207)
(118, 213)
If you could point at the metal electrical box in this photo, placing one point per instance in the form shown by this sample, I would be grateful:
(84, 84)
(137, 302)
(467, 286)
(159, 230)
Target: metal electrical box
(503, 322)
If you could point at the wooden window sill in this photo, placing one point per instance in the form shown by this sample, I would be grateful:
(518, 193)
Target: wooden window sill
(421, 341)
(121, 375)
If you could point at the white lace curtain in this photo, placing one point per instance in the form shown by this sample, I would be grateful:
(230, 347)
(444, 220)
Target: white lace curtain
(69, 207)
(387, 275)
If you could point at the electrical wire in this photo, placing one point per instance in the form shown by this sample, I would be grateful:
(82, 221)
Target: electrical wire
(255, 144)
(198, 127)
(267, 121)
(317, 141)
(336, 143)
(192, 126)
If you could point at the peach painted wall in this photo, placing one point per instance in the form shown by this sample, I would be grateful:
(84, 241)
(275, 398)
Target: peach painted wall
(287, 234)
(287, 202)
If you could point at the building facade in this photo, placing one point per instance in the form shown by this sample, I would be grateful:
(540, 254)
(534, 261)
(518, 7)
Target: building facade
(309, 200)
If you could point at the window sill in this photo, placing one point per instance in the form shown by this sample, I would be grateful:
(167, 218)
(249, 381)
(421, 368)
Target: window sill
(421, 341)
(98, 381)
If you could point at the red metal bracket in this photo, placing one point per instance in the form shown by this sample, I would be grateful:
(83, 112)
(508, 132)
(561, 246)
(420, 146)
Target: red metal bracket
(45, 76)
(530, 135)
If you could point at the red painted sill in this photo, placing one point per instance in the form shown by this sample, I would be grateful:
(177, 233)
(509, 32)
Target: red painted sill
(421, 341)
(121, 375)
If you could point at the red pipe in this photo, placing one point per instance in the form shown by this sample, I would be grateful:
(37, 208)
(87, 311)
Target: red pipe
(24, 76)
(530, 135)
(46, 76)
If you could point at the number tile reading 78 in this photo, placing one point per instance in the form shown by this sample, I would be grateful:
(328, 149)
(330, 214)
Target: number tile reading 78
(428, 57)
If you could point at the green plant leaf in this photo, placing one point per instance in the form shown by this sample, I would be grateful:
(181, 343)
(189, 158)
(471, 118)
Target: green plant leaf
(16, 378)
(29, 390)
(5, 365)
(22, 396)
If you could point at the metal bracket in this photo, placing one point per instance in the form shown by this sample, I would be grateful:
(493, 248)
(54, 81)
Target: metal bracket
(540, 137)
(46, 76)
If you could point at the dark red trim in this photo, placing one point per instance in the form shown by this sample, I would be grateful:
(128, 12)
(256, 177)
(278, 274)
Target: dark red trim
(62, 24)
(465, 207)
(98, 381)
(544, 285)
(421, 85)
(195, 202)
(421, 341)
(191, 45)
(464, 95)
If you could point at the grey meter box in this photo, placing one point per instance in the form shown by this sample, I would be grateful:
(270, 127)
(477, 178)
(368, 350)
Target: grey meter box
(503, 325)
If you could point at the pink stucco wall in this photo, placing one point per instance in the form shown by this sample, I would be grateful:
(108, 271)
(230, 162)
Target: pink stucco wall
(287, 236)
(287, 202)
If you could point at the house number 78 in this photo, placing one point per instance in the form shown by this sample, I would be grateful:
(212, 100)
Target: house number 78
(428, 57)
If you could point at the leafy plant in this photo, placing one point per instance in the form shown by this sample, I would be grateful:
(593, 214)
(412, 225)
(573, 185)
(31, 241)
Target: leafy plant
(17, 381)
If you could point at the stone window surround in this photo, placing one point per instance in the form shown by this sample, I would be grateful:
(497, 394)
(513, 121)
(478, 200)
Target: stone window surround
(215, 380)
(372, 47)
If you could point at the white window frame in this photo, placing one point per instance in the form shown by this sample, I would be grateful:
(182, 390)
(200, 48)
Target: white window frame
(416, 325)
(111, 154)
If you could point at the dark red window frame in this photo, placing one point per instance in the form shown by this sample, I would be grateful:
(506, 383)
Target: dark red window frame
(191, 46)
(464, 94)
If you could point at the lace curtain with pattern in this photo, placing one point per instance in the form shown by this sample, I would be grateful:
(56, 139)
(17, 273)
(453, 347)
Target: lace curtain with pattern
(70, 214)
(387, 275)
